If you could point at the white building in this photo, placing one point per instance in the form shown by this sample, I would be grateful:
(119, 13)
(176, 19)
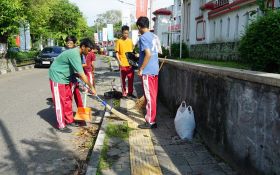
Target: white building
(212, 28)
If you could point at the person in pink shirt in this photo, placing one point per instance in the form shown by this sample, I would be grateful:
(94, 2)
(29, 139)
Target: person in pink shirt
(89, 65)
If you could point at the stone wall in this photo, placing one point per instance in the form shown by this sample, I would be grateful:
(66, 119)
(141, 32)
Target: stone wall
(6, 65)
(237, 112)
(215, 51)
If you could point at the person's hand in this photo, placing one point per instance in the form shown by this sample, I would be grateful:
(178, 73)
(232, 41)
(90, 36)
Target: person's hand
(93, 91)
(140, 72)
(137, 55)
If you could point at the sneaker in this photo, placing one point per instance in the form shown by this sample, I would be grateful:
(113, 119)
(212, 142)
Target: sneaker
(65, 130)
(147, 126)
(74, 124)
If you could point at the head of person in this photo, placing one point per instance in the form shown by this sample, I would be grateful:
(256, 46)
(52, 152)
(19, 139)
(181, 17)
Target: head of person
(85, 46)
(142, 24)
(70, 41)
(125, 32)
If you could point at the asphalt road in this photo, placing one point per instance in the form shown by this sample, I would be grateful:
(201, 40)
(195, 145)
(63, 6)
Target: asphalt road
(29, 143)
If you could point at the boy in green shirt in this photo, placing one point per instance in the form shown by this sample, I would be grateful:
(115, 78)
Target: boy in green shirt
(60, 72)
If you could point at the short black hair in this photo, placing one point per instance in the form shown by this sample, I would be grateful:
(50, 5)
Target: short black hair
(125, 27)
(86, 42)
(71, 38)
(143, 22)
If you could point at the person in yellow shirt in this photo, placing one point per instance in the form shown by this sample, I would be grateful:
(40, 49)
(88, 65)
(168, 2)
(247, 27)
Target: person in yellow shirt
(123, 45)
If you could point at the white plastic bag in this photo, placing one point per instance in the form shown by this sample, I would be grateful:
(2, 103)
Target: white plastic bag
(184, 122)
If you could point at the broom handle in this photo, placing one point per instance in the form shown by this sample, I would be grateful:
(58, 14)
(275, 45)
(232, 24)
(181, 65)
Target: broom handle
(85, 100)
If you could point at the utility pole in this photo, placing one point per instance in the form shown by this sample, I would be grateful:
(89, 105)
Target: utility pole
(150, 14)
(181, 31)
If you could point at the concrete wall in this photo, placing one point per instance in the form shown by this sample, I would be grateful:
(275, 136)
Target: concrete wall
(237, 112)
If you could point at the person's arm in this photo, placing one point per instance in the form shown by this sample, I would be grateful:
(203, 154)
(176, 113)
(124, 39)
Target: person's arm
(145, 62)
(93, 68)
(117, 49)
(85, 79)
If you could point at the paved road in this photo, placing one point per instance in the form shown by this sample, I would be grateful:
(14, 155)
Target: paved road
(29, 143)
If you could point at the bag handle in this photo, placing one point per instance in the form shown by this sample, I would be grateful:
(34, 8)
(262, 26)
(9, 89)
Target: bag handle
(189, 108)
(183, 104)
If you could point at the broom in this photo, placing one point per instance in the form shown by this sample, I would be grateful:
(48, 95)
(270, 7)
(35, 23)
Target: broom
(141, 102)
(107, 106)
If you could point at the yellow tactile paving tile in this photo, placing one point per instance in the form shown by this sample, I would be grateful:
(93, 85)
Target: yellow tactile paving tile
(143, 160)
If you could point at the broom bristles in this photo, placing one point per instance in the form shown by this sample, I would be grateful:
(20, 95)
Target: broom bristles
(140, 103)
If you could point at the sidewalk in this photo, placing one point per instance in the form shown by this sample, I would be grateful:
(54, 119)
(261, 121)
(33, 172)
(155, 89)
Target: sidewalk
(157, 151)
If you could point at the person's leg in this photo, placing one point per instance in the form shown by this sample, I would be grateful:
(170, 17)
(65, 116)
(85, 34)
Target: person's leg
(123, 76)
(58, 94)
(153, 84)
(77, 95)
(130, 77)
(68, 111)
(150, 84)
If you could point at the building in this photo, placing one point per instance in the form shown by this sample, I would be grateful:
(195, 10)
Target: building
(212, 28)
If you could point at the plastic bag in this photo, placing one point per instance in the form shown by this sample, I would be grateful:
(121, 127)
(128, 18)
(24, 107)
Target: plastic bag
(185, 122)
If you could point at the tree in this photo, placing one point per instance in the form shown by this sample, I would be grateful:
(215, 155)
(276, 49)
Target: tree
(109, 17)
(11, 15)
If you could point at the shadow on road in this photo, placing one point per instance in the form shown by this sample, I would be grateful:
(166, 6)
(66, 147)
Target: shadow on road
(49, 114)
(19, 164)
(43, 156)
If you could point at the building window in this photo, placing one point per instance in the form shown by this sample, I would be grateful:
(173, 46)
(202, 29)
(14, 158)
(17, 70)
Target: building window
(221, 29)
(236, 33)
(228, 27)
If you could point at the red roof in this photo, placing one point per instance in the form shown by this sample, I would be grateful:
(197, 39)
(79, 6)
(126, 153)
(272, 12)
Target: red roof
(162, 12)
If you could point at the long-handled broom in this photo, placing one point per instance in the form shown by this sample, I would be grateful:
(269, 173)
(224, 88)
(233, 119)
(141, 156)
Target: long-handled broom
(141, 102)
(110, 108)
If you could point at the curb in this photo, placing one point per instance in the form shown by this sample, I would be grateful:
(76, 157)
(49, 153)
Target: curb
(16, 69)
(96, 151)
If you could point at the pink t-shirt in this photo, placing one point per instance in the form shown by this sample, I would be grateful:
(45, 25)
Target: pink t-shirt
(89, 59)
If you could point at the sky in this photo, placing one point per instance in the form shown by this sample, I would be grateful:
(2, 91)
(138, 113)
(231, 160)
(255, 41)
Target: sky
(91, 8)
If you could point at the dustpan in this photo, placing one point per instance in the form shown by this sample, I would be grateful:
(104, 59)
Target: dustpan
(84, 113)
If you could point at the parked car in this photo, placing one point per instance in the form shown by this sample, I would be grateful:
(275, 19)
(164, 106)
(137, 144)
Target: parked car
(48, 55)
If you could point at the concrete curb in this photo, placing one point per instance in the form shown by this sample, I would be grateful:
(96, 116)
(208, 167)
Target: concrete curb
(96, 152)
(16, 69)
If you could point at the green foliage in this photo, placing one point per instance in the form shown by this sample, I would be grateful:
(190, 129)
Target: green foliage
(175, 50)
(20, 56)
(260, 45)
(109, 17)
(11, 14)
(47, 19)
(116, 130)
(165, 52)
(220, 63)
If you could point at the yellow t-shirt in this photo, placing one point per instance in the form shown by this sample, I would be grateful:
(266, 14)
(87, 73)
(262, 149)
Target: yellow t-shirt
(123, 46)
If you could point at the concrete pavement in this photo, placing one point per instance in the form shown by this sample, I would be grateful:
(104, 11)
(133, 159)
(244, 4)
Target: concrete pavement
(159, 151)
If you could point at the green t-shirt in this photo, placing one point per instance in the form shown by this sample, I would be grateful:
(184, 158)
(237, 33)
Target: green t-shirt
(65, 65)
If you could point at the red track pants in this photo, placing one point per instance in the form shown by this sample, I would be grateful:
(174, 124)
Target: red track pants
(129, 73)
(150, 86)
(62, 98)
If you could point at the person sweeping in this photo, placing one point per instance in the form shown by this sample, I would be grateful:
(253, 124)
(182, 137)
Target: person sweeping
(148, 70)
(66, 65)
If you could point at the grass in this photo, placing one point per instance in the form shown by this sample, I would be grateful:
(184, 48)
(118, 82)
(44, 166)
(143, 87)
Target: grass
(230, 64)
(121, 131)
(112, 130)
(103, 162)
(117, 103)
